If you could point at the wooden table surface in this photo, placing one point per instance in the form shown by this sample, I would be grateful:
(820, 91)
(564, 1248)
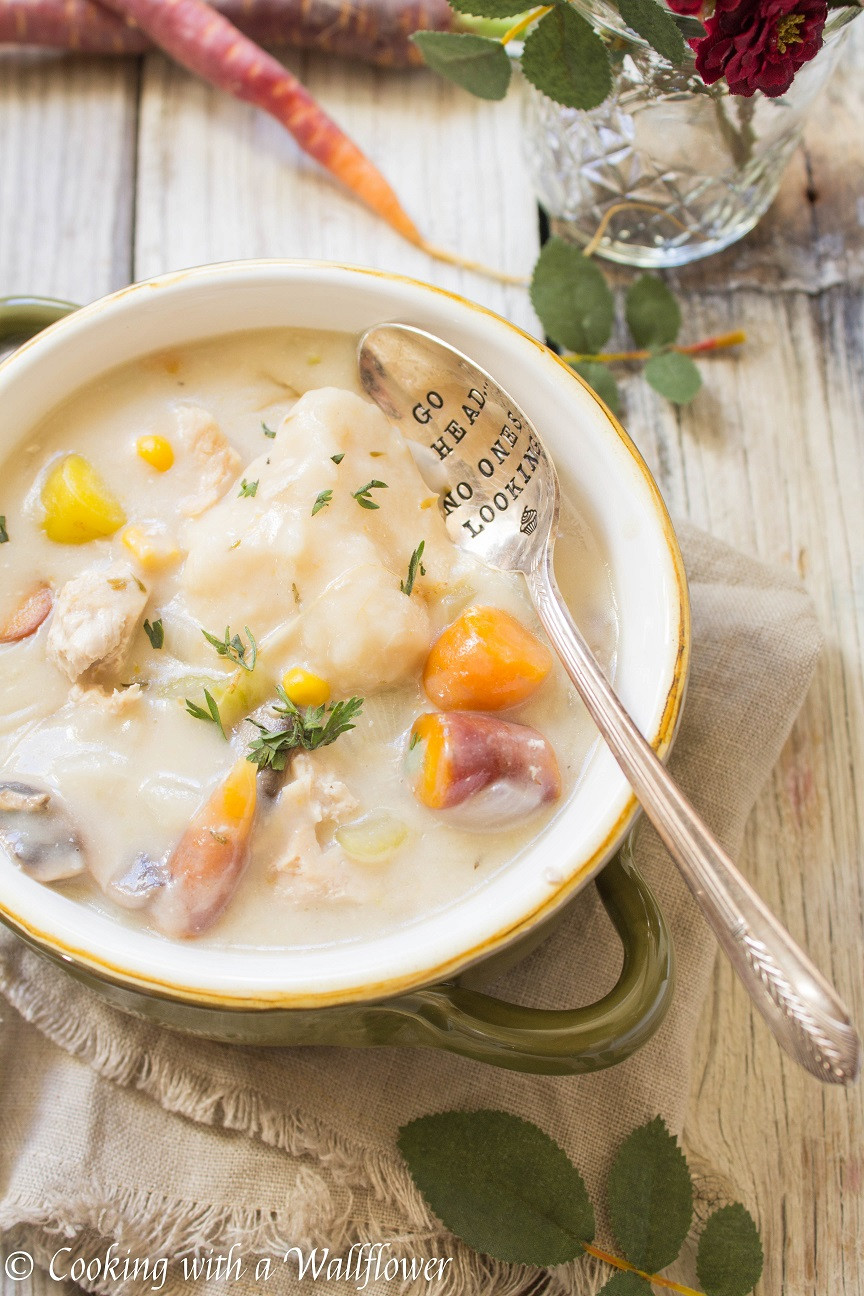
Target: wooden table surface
(113, 170)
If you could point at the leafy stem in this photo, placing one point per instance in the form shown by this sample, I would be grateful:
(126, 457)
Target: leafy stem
(721, 340)
(508, 1190)
(233, 647)
(525, 22)
(657, 1280)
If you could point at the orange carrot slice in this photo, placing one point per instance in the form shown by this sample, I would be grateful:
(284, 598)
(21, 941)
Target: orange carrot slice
(28, 616)
(206, 43)
(206, 864)
(485, 661)
(456, 757)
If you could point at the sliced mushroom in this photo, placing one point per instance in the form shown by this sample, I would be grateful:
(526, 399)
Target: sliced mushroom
(37, 831)
(270, 781)
(136, 887)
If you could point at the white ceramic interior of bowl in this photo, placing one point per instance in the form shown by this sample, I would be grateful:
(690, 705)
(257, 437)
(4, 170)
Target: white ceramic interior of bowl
(622, 505)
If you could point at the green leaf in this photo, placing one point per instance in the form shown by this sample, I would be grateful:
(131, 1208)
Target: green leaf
(601, 380)
(571, 297)
(625, 1283)
(500, 1184)
(674, 376)
(655, 25)
(650, 1197)
(653, 314)
(476, 63)
(490, 8)
(729, 1259)
(565, 58)
(691, 28)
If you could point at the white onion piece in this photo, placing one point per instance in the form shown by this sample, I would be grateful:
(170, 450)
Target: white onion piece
(372, 839)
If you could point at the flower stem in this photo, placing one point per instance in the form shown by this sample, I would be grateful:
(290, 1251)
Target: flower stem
(655, 1279)
(525, 21)
(693, 348)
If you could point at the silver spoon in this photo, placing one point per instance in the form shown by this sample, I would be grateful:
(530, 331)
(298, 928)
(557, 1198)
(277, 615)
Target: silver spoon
(463, 414)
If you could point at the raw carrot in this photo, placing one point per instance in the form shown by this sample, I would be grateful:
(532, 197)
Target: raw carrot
(374, 31)
(206, 43)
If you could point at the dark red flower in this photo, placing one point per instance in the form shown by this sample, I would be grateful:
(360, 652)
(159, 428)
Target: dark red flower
(759, 44)
(685, 6)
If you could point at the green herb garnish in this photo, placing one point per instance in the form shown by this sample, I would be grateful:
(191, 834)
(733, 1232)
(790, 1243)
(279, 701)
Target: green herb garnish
(233, 647)
(4, 534)
(337, 459)
(268, 431)
(211, 715)
(415, 738)
(322, 499)
(362, 495)
(155, 633)
(307, 730)
(248, 488)
(414, 565)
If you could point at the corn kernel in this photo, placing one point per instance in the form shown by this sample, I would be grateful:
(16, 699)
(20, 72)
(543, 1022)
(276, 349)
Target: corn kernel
(428, 501)
(152, 550)
(155, 451)
(304, 688)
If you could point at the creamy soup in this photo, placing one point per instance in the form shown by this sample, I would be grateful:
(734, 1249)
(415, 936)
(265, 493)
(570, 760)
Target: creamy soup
(218, 559)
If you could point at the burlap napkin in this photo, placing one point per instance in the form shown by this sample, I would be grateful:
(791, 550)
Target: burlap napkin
(114, 1131)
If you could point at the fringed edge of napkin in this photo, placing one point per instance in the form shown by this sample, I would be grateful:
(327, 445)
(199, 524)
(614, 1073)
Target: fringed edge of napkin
(309, 1219)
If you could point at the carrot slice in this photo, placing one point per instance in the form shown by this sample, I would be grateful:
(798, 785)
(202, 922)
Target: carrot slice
(458, 756)
(206, 864)
(28, 616)
(485, 660)
(206, 43)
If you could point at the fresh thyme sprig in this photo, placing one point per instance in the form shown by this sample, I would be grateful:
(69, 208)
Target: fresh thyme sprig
(414, 565)
(155, 632)
(233, 647)
(363, 497)
(211, 715)
(305, 729)
(322, 499)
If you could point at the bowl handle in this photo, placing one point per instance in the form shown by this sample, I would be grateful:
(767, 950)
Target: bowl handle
(569, 1041)
(23, 317)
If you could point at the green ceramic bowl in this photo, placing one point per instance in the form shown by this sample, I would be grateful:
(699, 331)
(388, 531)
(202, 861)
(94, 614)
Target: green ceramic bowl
(417, 985)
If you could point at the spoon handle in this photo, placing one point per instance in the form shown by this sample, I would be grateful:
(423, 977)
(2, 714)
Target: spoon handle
(806, 1016)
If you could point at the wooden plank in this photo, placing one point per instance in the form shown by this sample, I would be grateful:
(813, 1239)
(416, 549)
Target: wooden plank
(770, 457)
(66, 174)
(67, 160)
(219, 180)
